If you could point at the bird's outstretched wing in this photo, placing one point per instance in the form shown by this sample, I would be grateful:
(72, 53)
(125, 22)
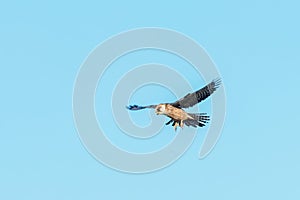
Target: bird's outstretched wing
(136, 107)
(191, 99)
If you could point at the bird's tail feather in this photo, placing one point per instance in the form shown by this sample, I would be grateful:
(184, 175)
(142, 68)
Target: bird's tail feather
(198, 119)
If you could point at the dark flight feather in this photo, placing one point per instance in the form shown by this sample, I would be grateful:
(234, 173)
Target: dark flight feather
(136, 107)
(193, 98)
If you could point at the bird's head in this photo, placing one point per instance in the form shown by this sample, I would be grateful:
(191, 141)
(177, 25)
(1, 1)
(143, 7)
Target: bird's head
(160, 109)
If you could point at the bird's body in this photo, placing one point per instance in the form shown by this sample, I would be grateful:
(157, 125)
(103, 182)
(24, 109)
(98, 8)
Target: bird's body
(176, 114)
(174, 110)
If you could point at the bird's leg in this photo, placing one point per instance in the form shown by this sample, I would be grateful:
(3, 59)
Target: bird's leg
(175, 126)
(181, 123)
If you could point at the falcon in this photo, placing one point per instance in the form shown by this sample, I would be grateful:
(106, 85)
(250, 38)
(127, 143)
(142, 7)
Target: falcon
(175, 110)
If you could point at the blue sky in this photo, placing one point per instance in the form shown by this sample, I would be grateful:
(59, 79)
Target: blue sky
(255, 46)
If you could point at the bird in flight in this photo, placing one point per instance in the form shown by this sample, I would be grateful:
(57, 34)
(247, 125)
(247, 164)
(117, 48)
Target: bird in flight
(175, 110)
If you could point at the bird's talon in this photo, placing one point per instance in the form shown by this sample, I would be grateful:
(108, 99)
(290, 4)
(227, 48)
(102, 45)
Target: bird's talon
(175, 126)
(181, 123)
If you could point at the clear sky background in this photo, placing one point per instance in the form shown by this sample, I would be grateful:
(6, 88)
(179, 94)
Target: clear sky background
(256, 47)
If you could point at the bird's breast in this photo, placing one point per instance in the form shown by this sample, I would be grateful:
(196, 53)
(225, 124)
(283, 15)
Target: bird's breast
(175, 113)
